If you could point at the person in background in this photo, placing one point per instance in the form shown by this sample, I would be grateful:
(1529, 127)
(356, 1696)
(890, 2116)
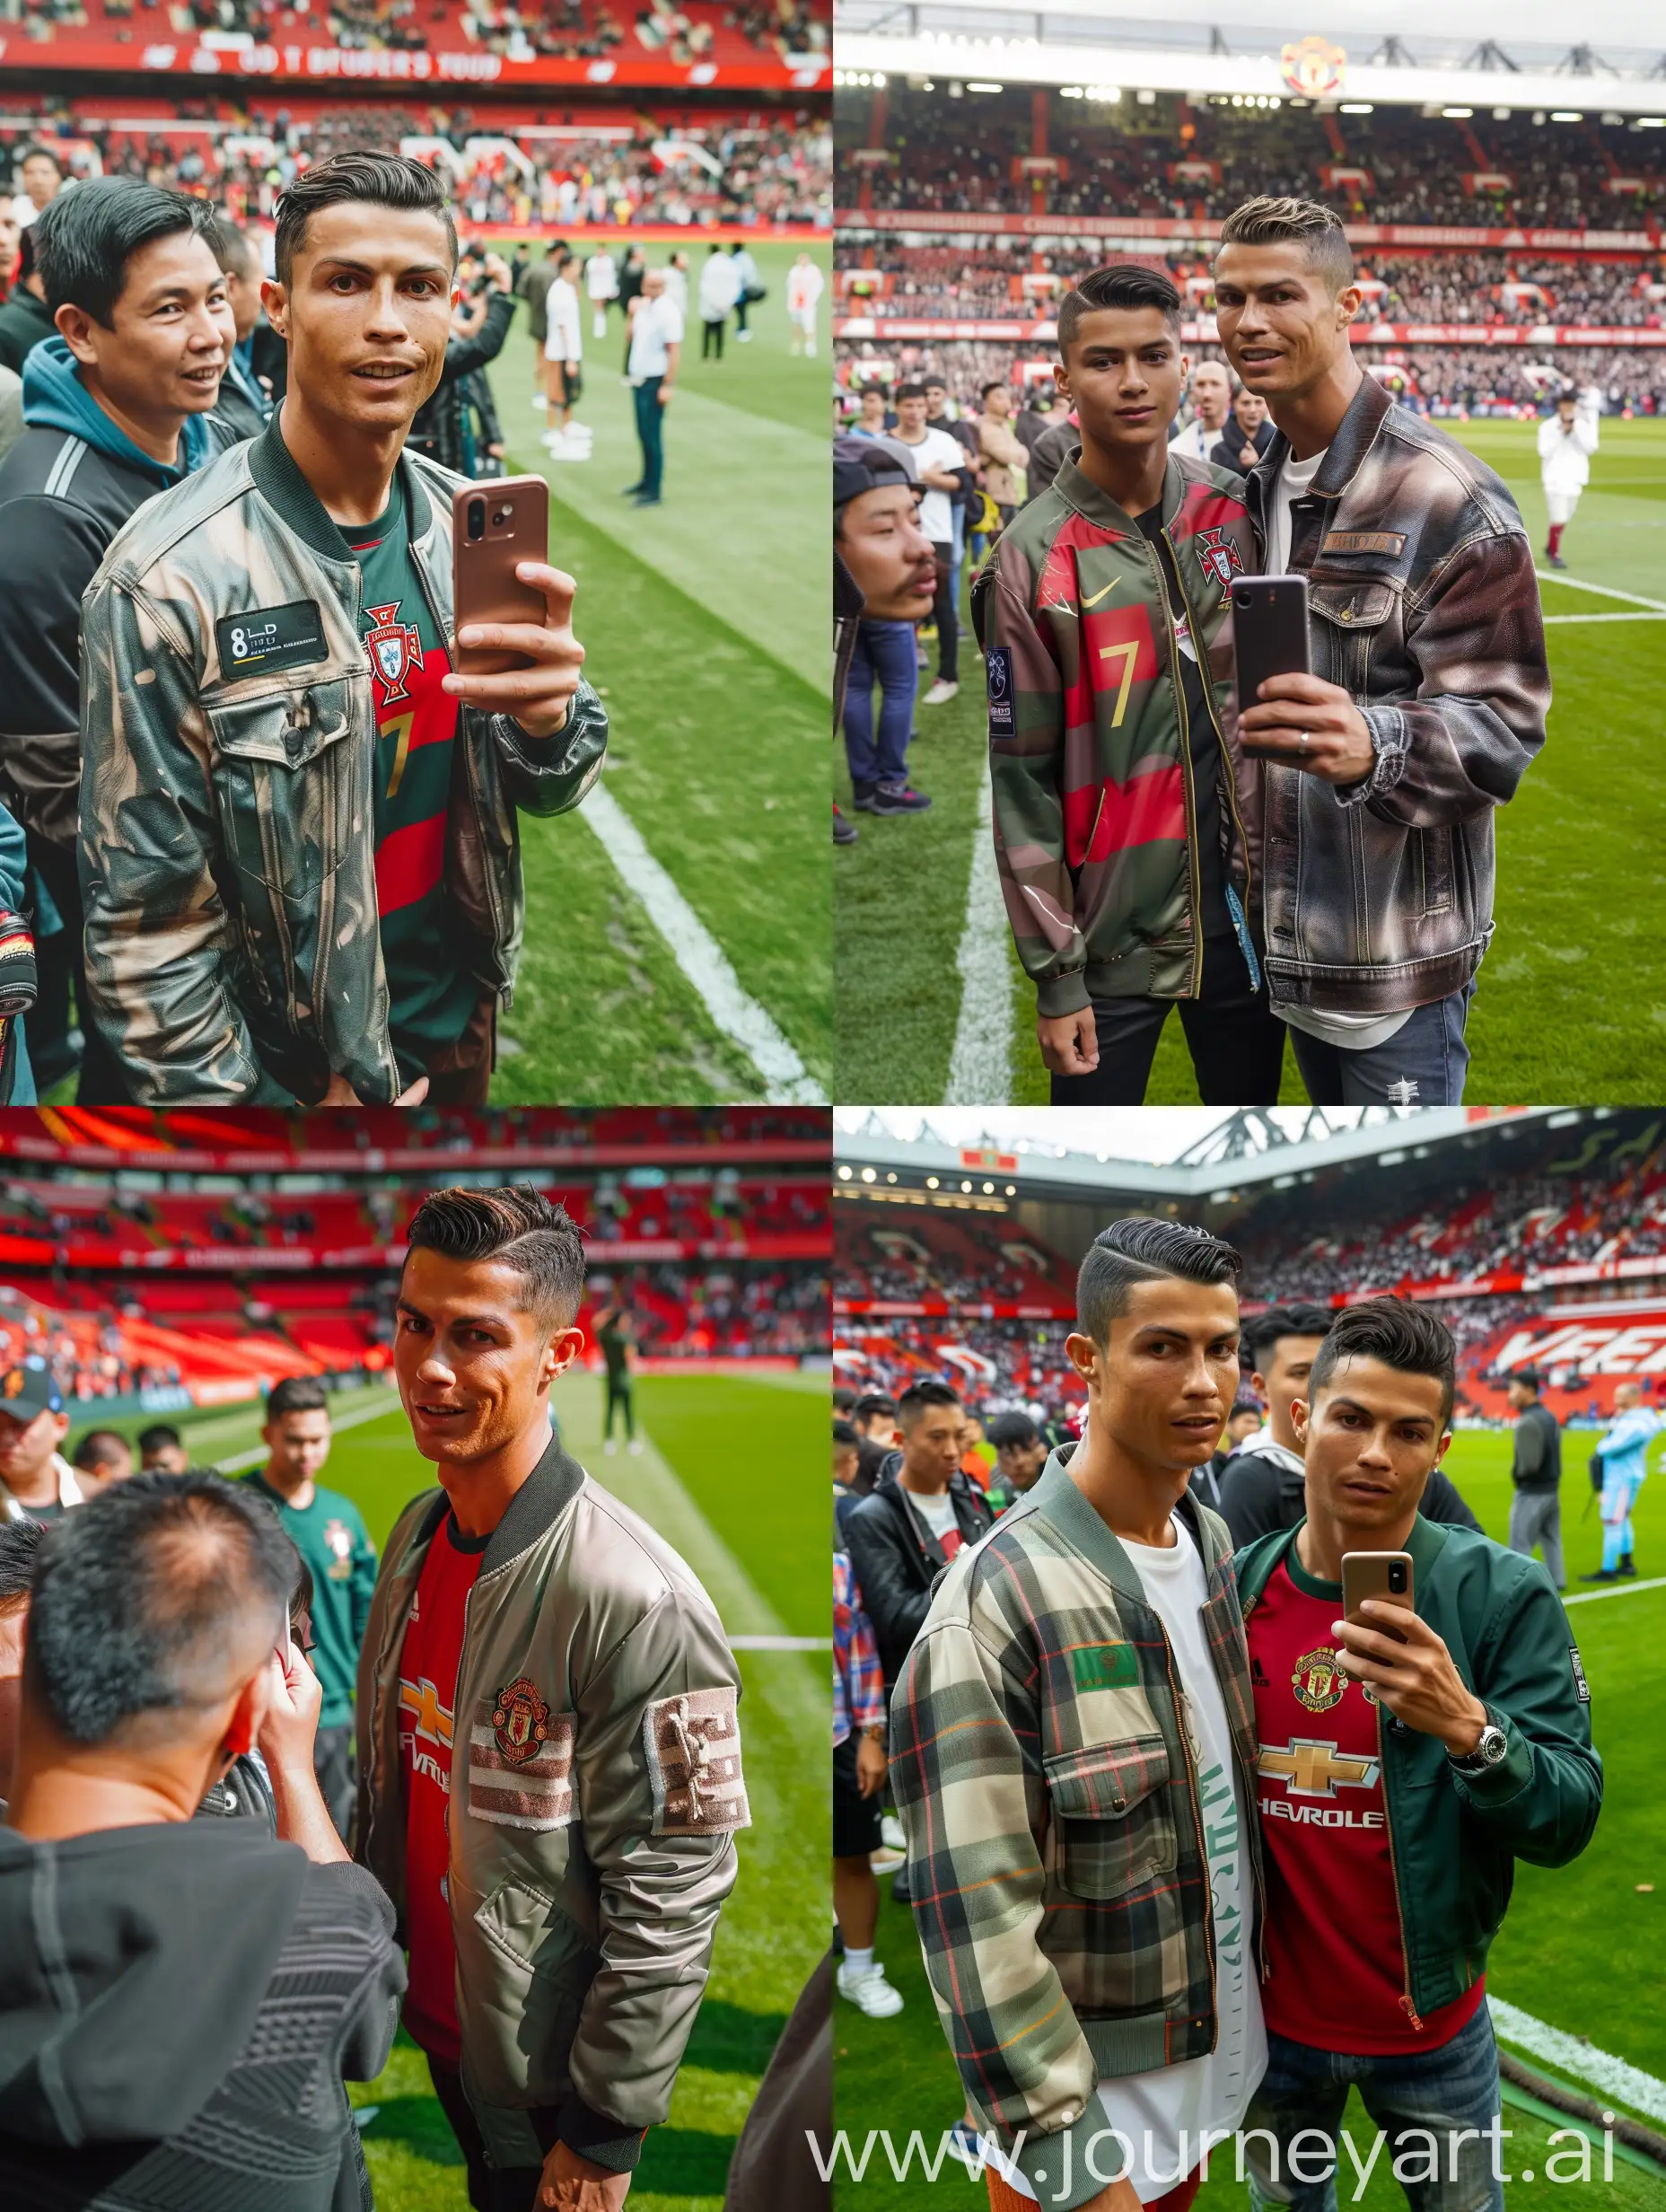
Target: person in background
(615, 1331)
(1002, 459)
(41, 173)
(873, 414)
(1241, 1423)
(718, 295)
(858, 1784)
(1536, 1477)
(601, 284)
(534, 284)
(19, 1549)
(1247, 436)
(25, 319)
(846, 1454)
(749, 289)
(938, 416)
(805, 284)
(1624, 1455)
(1566, 441)
(11, 409)
(632, 274)
(874, 1420)
(328, 1530)
(37, 1482)
(942, 468)
(1019, 1455)
(162, 1452)
(243, 402)
(1210, 393)
(102, 1456)
(893, 573)
(564, 354)
(975, 1462)
(657, 332)
(677, 281)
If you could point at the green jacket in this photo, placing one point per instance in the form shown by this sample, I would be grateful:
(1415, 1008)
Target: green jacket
(228, 860)
(1454, 1838)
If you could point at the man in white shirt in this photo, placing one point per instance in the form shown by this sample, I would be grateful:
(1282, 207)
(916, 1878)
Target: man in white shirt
(719, 286)
(1566, 444)
(939, 461)
(602, 282)
(804, 287)
(655, 349)
(41, 175)
(1210, 397)
(564, 352)
(677, 282)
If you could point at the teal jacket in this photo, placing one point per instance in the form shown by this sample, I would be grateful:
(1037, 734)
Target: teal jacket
(1454, 1837)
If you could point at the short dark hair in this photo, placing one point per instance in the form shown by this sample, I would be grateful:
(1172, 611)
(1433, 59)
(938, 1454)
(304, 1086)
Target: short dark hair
(1125, 285)
(928, 1391)
(383, 179)
(1140, 1250)
(995, 383)
(153, 1439)
(518, 1225)
(1264, 1330)
(19, 1549)
(1529, 1378)
(908, 391)
(37, 153)
(234, 248)
(876, 1401)
(296, 1393)
(1267, 221)
(1413, 1339)
(85, 239)
(144, 1597)
(1012, 1430)
(99, 1446)
(844, 1436)
(844, 1401)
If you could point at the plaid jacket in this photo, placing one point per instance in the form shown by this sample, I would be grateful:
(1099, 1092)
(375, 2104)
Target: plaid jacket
(1055, 1855)
(858, 1685)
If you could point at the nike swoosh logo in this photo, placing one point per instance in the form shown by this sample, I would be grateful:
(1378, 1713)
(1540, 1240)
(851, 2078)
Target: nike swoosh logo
(1098, 595)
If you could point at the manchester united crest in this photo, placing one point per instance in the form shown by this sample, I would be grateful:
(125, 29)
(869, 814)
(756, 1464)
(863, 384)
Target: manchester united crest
(520, 1721)
(395, 650)
(1219, 556)
(1317, 1681)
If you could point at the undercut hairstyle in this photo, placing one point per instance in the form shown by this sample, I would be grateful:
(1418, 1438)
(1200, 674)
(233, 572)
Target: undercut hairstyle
(1409, 1339)
(914, 1402)
(1141, 1249)
(153, 1439)
(1264, 1331)
(908, 391)
(152, 1599)
(1125, 285)
(19, 1549)
(1010, 1431)
(1269, 222)
(83, 240)
(517, 1227)
(296, 1393)
(381, 179)
(101, 1447)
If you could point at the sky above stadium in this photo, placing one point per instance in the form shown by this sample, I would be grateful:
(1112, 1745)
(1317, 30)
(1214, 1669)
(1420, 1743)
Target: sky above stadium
(1153, 1133)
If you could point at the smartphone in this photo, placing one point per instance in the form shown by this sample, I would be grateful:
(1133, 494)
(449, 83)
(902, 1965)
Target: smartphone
(1377, 1574)
(1269, 634)
(285, 1648)
(493, 526)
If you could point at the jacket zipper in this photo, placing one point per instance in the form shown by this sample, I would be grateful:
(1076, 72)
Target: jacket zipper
(1255, 1861)
(1195, 876)
(1093, 832)
(1227, 776)
(1407, 2006)
(1202, 1848)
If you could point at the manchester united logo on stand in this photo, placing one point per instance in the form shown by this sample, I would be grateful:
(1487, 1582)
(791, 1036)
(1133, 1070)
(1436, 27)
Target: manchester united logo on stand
(1316, 1682)
(520, 1721)
(395, 648)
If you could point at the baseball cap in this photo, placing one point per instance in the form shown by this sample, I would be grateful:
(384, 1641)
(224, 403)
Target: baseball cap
(25, 1391)
(865, 464)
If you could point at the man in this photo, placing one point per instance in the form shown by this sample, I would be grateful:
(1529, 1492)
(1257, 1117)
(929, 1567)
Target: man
(1211, 396)
(343, 926)
(1019, 1455)
(1566, 441)
(1127, 822)
(100, 1458)
(442, 430)
(161, 1451)
(11, 235)
(37, 1482)
(874, 1420)
(1241, 1423)
(804, 286)
(1391, 1821)
(533, 285)
(655, 327)
(749, 289)
(117, 401)
(847, 1453)
(601, 284)
(1247, 436)
(1536, 1476)
(328, 1530)
(210, 1985)
(564, 353)
(1378, 858)
(11, 409)
(1265, 1485)
(616, 1339)
(677, 282)
(25, 319)
(1002, 459)
(20, 1551)
(873, 414)
(858, 1785)
(1624, 1455)
(719, 290)
(550, 1758)
(881, 552)
(965, 434)
(243, 402)
(632, 273)
(1072, 1757)
(41, 175)
(943, 468)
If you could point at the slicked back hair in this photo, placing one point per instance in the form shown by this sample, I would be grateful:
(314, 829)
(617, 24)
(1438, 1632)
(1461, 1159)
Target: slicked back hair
(150, 1599)
(1266, 1329)
(1270, 221)
(520, 1228)
(383, 180)
(1141, 1249)
(83, 240)
(1410, 1339)
(1127, 285)
(296, 1393)
(918, 1396)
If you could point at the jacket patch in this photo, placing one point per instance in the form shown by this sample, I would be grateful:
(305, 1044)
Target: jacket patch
(521, 1760)
(1580, 1684)
(1218, 556)
(693, 1746)
(1392, 542)
(1105, 1666)
(1000, 673)
(269, 638)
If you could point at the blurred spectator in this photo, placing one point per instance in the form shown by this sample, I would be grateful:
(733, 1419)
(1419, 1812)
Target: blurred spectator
(102, 1456)
(37, 1482)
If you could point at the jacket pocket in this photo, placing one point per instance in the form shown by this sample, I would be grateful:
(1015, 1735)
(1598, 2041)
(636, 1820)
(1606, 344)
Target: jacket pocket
(291, 790)
(1346, 626)
(1434, 858)
(523, 1980)
(1112, 1816)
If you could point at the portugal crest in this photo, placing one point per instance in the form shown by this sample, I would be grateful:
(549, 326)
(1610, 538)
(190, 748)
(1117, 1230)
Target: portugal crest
(1219, 556)
(520, 1721)
(395, 649)
(1316, 1682)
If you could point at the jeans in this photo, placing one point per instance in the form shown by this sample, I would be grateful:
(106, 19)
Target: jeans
(621, 1401)
(651, 431)
(945, 615)
(1447, 2093)
(1236, 1041)
(1619, 1494)
(957, 553)
(1423, 1064)
(884, 653)
(100, 1081)
(1536, 1518)
(712, 337)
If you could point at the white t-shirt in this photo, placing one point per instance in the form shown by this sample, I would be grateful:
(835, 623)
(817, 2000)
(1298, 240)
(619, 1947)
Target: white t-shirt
(1295, 480)
(655, 325)
(719, 287)
(804, 287)
(936, 1510)
(1565, 457)
(565, 342)
(1153, 2110)
(601, 279)
(936, 450)
(1197, 439)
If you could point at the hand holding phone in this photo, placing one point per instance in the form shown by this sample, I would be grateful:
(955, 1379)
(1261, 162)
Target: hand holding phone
(1269, 634)
(1385, 1574)
(495, 529)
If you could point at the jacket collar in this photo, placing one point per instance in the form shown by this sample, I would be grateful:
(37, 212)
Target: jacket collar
(1426, 1544)
(1058, 1500)
(1355, 435)
(1098, 507)
(279, 478)
(535, 1508)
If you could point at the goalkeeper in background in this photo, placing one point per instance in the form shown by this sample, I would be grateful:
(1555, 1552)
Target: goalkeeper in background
(1625, 1455)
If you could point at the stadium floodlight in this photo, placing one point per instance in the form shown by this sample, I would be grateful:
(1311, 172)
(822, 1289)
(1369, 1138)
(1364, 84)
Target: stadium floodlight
(844, 1174)
(1502, 115)
(980, 84)
(1652, 122)
(1458, 115)
(1358, 107)
(868, 1175)
(1565, 115)
(932, 1183)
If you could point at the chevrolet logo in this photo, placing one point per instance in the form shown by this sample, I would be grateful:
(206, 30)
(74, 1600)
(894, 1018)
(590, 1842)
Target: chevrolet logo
(423, 1698)
(1311, 1769)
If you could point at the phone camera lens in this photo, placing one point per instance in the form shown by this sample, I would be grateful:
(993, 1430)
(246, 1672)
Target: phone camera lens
(1397, 1577)
(500, 515)
(476, 518)
(1243, 599)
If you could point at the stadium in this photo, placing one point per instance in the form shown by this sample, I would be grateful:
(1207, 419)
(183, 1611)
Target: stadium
(1501, 187)
(172, 1270)
(1538, 1236)
(662, 130)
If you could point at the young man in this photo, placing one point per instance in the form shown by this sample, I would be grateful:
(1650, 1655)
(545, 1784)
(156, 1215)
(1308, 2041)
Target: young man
(1210, 397)
(1566, 444)
(847, 1452)
(601, 284)
(804, 286)
(244, 403)
(874, 1419)
(873, 413)
(116, 402)
(615, 1336)
(748, 289)
(101, 1457)
(880, 550)
(943, 468)
(20, 1552)
(1002, 459)
(25, 319)
(1536, 1477)
(1019, 1455)
(1407, 1760)
(657, 327)
(550, 1758)
(161, 1451)
(858, 1785)
(718, 292)
(1623, 1453)
(41, 173)
(1127, 822)
(1073, 1754)
(328, 1530)
(534, 284)
(1247, 436)
(37, 1482)
(298, 845)
(1429, 689)
(564, 354)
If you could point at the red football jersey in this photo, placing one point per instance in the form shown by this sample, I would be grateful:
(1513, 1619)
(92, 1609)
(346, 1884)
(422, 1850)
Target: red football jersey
(1335, 1961)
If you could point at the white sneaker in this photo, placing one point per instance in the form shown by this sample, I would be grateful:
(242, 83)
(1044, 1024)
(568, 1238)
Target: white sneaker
(541, 399)
(940, 693)
(891, 1835)
(612, 1446)
(566, 448)
(636, 1447)
(870, 1991)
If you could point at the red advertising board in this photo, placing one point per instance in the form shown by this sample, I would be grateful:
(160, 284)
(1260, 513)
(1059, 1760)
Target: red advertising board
(1362, 333)
(998, 223)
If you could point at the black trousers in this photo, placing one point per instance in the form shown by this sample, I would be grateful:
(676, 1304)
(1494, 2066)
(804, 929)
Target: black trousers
(712, 339)
(620, 1398)
(1236, 1041)
(63, 968)
(491, 2188)
(946, 615)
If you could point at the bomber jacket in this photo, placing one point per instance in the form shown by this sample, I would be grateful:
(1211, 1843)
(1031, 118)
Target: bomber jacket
(1057, 1861)
(587, 1864)
(234, 949)
(1095, 813)
(1454, 1837)
(1424, 607)
(898, 1560)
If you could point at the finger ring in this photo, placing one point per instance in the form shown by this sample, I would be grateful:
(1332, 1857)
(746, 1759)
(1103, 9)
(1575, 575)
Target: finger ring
(1305, 737)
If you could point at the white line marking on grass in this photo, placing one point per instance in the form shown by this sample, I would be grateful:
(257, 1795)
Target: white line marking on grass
(700, 957)
(781, 1643)
(980, 1067)
(1619, 1590)
(258, 1454)
(1603, 591)
(1641, 616)
(1615, 2077)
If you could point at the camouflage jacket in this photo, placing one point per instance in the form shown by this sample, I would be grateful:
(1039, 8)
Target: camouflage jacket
(1057, 1860)
(227, 847)
(1095, 811)
(1379, 895)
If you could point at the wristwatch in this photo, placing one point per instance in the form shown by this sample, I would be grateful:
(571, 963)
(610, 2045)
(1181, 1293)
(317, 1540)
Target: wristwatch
(1488, 1753)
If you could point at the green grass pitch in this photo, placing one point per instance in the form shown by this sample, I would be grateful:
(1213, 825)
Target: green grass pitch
(1576, 1950)
(1572, 997)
